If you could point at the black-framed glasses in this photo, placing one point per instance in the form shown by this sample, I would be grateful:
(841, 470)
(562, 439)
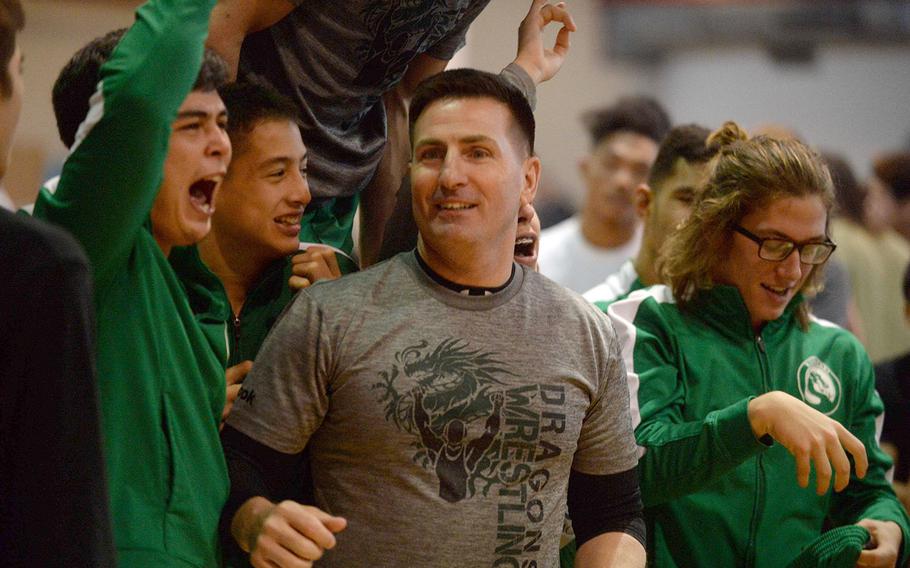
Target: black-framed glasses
(777, 249)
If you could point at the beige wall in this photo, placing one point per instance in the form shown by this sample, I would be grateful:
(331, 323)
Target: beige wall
(852, 100)
(54, 30)
(586, 81)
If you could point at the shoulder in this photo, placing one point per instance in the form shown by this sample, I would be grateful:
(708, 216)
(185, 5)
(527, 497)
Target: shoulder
(829, 335)
(358, 288)
(38, 242)
(652, 300)
(558, 308)
(616, 287)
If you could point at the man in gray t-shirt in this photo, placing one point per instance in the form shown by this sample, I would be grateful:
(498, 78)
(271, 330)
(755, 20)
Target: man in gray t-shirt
(442, 427)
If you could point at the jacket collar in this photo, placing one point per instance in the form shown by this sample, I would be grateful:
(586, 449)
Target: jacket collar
(723, 308)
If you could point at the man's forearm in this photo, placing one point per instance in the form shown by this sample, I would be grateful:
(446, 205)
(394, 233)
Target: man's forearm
(613, 550)
(378, 200)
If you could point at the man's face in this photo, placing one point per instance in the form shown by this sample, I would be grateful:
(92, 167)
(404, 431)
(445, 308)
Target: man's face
(469, 176)
(265, 191)
(197, 158)
(10, 109)
(612, 172)
(669, 203)
(527, 240)
(768, 286)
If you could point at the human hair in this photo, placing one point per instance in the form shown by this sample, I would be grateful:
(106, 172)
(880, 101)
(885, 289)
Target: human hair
(746, 174)
(472, 84)
(639, 114)
(894, 171)
(849, 195)
(78, 81)
(12, 20)
(250, 104)
(689, 142)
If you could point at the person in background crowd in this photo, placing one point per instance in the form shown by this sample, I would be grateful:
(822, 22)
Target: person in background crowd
(892, 379)
(892, 177)
(737, 389)
(582, 251)
(873, 253)
(53, 487)
(834, 301)
(663, 203)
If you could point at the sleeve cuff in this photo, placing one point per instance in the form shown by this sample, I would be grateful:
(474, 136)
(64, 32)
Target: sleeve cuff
(735, 432)
(518, 77)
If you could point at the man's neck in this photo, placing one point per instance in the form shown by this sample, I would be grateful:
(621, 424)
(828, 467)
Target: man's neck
(645, 266)
(234, 266)
(486, 269)
(604, 235)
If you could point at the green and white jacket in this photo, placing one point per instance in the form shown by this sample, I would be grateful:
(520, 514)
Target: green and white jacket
(161, 387)
(714, 495)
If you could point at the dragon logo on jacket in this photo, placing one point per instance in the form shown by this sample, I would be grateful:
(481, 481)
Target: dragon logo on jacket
(819, 386)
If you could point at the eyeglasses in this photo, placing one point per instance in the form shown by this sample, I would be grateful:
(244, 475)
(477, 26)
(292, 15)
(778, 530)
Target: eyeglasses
(779, 249)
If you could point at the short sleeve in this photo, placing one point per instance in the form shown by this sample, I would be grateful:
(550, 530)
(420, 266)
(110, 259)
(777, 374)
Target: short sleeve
(286, 395)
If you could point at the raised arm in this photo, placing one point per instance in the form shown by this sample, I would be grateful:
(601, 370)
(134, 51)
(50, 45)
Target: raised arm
(111, 177)
(233, 20)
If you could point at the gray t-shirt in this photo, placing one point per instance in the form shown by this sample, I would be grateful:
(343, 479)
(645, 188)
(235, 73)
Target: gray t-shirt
(335, 59)
(442, 426)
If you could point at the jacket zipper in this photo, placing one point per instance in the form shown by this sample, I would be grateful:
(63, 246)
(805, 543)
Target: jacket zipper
(758, 508)
(236, 334)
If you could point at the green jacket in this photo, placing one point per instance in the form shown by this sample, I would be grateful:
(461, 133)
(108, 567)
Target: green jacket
(161, 387)
(235, 338)
(714, 495)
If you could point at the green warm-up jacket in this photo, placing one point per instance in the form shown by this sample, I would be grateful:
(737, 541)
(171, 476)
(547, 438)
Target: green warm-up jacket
(715, 495)
(161, 387)
(234, 337)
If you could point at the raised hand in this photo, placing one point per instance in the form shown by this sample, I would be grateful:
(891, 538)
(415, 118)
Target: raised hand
(541, 63)
(317, 262)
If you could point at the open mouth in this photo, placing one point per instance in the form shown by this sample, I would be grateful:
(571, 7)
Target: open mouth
(292, 220)
(524, 247)
(289, 224)
(202, 193)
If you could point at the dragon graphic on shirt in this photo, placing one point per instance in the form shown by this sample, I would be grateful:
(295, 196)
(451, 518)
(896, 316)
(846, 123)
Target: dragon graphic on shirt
(454, 409)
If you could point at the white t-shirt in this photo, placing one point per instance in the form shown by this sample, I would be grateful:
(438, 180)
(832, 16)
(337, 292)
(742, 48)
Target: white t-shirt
(567, 258)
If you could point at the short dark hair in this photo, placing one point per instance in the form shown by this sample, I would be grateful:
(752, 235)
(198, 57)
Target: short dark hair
(12, 20)
(471, 83)
(79, 78)
(894, 171)
(849, 195)
(639, 114)
(249, 104)
(689, 142)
